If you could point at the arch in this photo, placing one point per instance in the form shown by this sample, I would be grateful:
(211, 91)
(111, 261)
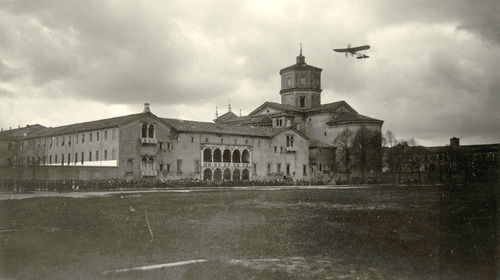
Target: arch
(245, 175)
(245, 157)
(217, 174)
(236, 156)
(226, 157)
(144, 131)
(227, 174)
(217, 155)
(236, 175)
(207, 155)
(207, 174)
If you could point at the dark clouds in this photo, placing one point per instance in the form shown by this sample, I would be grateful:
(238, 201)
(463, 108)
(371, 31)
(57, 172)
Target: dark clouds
(432, 74)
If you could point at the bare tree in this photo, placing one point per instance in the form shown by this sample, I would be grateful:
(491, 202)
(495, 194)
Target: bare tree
(344, 142)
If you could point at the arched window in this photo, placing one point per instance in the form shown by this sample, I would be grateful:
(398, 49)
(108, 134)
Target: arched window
(144, 131)
(227, 174)
(217, 175)
(207, 174)
(227, 156)
(236, 156)
(207, 155)
(245, 156)
(151, 164)
(236, 175)
(144, 163)
(129, 165)
(151, 131)
(245, 175)
(217, 155)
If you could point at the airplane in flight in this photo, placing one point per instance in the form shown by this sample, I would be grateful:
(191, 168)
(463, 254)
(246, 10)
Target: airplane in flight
(354, 51)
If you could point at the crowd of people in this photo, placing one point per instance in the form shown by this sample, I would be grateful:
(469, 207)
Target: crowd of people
(121, 184)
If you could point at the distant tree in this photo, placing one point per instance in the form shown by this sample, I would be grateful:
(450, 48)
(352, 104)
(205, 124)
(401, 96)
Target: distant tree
(344, 142)
(390, 157)
(367, 151)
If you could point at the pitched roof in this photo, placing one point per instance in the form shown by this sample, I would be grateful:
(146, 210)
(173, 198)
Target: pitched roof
(217, 128)
(319, 144)
(349, 116)
(226, 117)
(91, 125)
(14, 134)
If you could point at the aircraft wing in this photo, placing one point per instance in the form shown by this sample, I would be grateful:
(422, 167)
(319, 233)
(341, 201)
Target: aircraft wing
(342, 50)
(361, 48)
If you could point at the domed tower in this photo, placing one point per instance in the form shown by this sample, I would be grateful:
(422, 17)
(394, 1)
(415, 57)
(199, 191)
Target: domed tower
(301, 84)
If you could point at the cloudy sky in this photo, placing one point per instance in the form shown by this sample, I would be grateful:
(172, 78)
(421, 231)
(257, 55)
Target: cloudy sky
(433, 71)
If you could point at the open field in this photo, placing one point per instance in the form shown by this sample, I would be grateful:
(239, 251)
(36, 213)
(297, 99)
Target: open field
(383, 232)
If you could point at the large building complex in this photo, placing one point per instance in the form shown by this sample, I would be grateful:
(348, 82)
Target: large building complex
(294, 138)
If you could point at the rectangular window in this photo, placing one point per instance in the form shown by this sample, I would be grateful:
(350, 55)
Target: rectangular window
(50, 159)
(76, 158)
(113, 134)
(83, 138)
(105, 135)
(82, 157)
(255, 168)
(192, 139)
(281, 149)
(304, 170)
(96, 155)
(268, 169)
(169, 146)
(90, 156)
(302, 101)
(278, 168)
(76, 136)
(62, 159)
(90, 137)
(197, 166)
(113, 155)
(168, 167)
(105, 154)
(288, 169)
(97, 136)
(55, 159)
(62, 143)
(275, 149)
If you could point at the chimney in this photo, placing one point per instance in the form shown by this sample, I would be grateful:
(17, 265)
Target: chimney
(146, 108)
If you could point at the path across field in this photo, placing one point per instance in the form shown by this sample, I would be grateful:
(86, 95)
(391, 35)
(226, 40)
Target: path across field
(76, 194)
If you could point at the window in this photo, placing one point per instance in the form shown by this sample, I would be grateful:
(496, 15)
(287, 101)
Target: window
(192, 139)
(62, 143)
(275, 149)
(179, 166)
(97, 136)
(82, 157)
(302, 101)
(83, 139)
(76, 158)
(113, 134)
(281, 149)
(62, 159)
(197, 166)
(268, 169)
(222, 140)
(206, 139)
(278, 168)
(288, 169)
(55, 159)
(169, 146)
(113, 156)
(151, 131)
(96, 155)
(105, 154)
(50, 159)
(69, 158)
(90, 156)
(289, 141)
(255, 168)
(304, 170)
(90, 137)
(168, 167)
(105, 135)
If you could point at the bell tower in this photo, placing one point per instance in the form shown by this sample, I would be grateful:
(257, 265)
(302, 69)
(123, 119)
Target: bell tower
(301, 84)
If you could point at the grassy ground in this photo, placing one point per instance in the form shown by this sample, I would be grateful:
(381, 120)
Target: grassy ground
(374, 233)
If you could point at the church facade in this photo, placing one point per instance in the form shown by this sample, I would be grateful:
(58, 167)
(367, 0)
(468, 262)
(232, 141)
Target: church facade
(292, 139)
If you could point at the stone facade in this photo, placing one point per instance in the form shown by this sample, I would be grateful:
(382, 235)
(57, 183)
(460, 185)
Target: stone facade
(293, 139)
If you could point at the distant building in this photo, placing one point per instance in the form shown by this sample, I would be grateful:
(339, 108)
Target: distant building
(453, 163)
(293, 139)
